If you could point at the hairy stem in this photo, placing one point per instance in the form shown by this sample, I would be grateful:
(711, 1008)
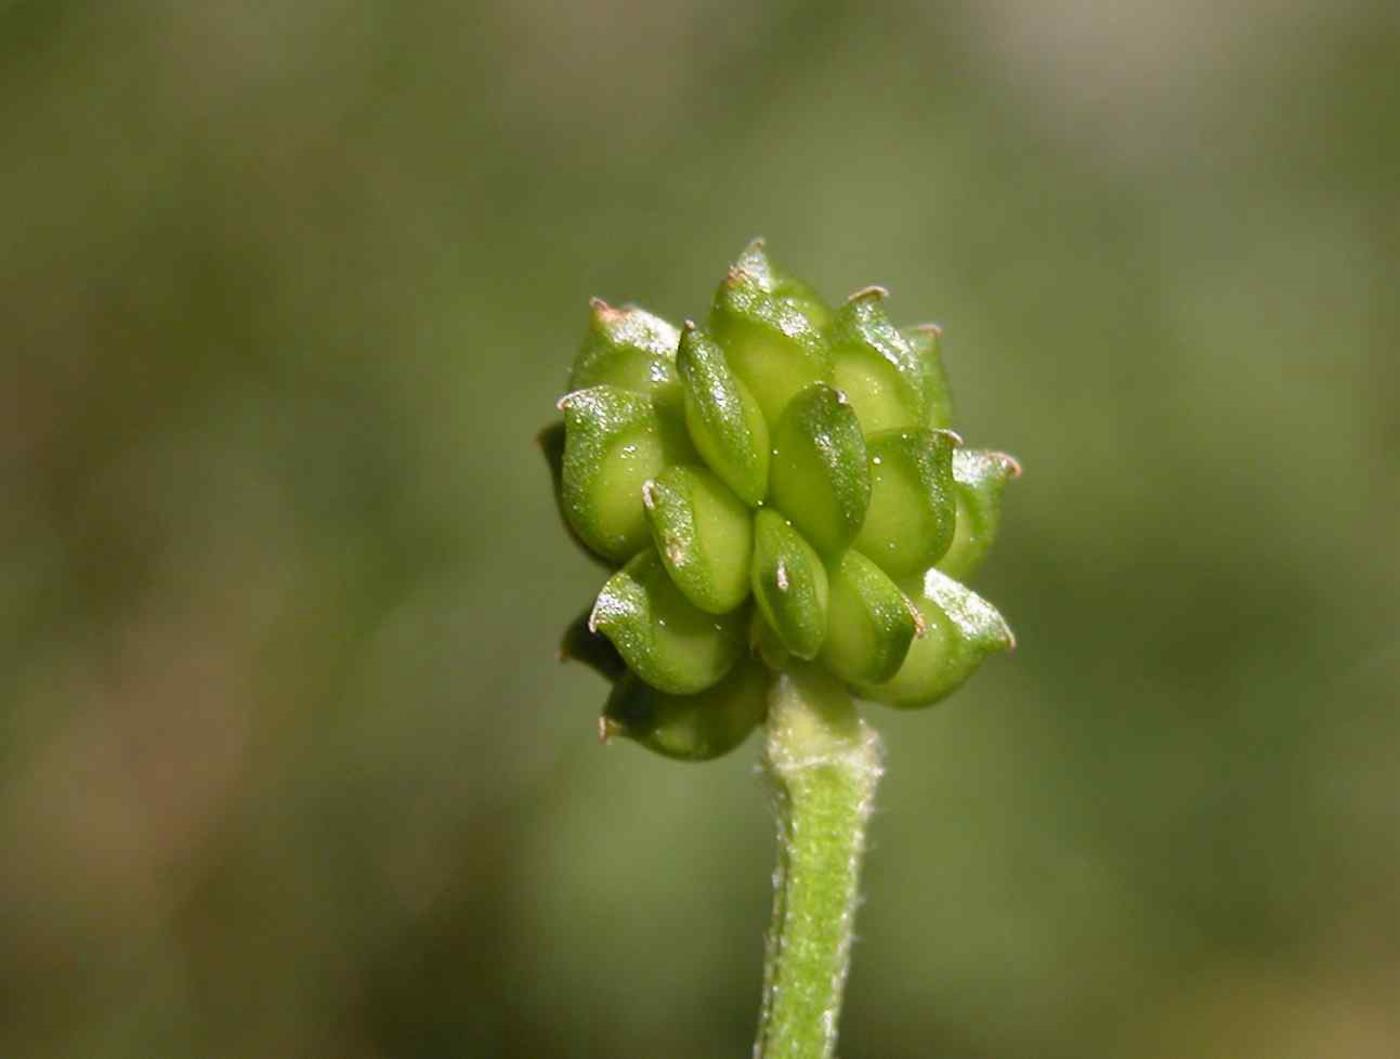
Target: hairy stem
(823, 762)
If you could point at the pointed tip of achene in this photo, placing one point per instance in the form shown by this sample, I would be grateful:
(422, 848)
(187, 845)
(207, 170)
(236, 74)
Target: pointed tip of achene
(871, 293)
(607, 729)
(936, 330)
(605, 317)
(920, 624)
(752, 267)
(954, 437)
(1012, 464)
(757, 247)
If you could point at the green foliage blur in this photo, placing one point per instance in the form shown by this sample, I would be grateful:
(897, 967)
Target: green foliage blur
(287, 766)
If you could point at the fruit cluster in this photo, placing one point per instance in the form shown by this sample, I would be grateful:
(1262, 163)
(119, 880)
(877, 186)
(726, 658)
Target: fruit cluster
(780, 487)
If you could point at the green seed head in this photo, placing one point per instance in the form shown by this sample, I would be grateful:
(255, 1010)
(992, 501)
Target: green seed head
(780, 487)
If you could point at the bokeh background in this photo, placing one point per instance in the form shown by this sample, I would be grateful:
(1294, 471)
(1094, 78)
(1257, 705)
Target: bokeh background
(287, 766)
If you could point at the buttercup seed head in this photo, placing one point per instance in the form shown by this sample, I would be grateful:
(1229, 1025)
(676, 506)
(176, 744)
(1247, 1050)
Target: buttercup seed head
(778, 487)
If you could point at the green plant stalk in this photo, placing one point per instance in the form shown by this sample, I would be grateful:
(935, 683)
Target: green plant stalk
(823, 762)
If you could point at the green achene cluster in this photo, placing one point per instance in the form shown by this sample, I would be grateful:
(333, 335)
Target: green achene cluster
(779, 487)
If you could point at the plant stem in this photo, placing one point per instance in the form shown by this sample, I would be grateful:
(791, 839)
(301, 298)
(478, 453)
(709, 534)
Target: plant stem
(823, 762)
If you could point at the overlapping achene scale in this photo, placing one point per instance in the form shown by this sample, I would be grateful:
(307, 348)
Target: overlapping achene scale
(910, 521)
(771, 327)
(723, 417)
(960, 629)
(621, 427)
(664, 638)
(871, 623)
(790, 584)
(927, 343)
(626, 347)
(820, 472)
(779, 485)
(875, 366)
(689, 727)
(979, 477)
(612, 446)
(704, 535)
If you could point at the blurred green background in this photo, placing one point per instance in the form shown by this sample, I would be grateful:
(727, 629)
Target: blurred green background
(287, 767)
